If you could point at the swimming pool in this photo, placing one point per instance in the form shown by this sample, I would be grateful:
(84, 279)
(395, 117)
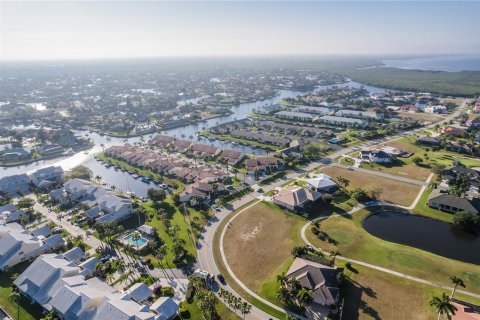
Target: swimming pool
(137, 243)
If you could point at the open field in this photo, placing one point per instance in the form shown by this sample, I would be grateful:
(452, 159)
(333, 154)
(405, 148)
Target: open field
(259, 241)
(216, 253)
(391, 190)
(421, 116)
(373, 294)
(352, 241)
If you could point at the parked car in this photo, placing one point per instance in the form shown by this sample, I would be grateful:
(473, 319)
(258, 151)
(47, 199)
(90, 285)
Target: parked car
(105, 258)
(221, 279)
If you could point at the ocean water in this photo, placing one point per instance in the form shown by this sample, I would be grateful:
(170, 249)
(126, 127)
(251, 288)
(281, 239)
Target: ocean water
(450, 63)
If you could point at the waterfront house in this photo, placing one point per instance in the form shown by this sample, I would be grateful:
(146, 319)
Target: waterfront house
(50, 149)
(359, 114)
(342, 121)
(14, 154)
(263, 164)
(53, 174)
(14, 184)
(322, 280)
(230, 157)
(296, 198)
(439, 199)
(204, 151)
(181, 145)
(161, 141)
(296, 116)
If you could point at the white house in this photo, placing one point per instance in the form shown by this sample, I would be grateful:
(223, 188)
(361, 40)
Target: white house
(113, 207)
(322, 183)
(377, 156)
(62, 286)
(51, 174)
(14, 184)
(18, 245)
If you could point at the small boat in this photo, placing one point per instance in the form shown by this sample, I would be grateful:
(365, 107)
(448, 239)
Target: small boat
(145, 179)
(135, 176)
(234, 142)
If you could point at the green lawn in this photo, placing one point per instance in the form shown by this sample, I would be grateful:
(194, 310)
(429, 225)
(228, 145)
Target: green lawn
(27, 310)
(222, 310)
(423, 209)
(176, 218)
(371, 294)
(352, 241)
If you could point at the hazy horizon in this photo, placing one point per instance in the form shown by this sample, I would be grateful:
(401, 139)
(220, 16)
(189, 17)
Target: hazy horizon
(151, 30)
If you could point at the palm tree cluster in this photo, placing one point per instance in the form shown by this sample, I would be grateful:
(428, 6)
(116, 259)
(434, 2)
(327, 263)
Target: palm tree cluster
(443, 304)
(291, 292)
(235, 303)
(207, 303)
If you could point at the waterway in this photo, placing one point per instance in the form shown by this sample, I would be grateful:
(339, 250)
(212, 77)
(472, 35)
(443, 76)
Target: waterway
(449, 63)
(431, 235)
(124, 181)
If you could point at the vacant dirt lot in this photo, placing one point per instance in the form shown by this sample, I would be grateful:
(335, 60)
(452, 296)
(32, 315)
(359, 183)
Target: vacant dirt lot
(421, 116)
(391, 190)
(376, 295)
(259, 241)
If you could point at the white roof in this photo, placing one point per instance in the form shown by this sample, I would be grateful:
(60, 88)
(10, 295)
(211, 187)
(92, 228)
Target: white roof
(321, 181)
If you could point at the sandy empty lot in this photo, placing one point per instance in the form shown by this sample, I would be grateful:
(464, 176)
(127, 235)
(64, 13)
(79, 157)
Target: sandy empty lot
(391, 190)
(259, 241)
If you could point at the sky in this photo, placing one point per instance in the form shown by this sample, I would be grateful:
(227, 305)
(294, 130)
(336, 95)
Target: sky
(88, 30)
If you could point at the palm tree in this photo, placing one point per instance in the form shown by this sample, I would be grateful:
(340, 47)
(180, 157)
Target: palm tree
(283, 295)
(443, 306)
(457, 282)
(304, 297)
(245, 309)
(110, 279)
(135, 237)
(282, 279)
(344, 182)
(14, 297)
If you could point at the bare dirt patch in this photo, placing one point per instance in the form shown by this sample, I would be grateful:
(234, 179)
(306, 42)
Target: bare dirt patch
(260, 240)
(421, 116)
(390, 190)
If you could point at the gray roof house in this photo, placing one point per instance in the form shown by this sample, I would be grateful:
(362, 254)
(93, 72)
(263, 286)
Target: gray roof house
(15, 183)
(165, 308)
(342, 121)
(18, 245)
(51, 174)
(442, 201)
(62, 286)
(319, 278)
(114, 207)
(296, 198)
(322, 183)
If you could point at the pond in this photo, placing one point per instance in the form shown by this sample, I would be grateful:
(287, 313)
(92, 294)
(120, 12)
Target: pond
(431, 235)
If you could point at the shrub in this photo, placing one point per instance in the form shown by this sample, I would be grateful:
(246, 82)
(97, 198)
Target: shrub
(167, 291)
(190, 293)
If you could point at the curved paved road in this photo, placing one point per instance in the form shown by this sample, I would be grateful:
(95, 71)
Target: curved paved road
(205, 257)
